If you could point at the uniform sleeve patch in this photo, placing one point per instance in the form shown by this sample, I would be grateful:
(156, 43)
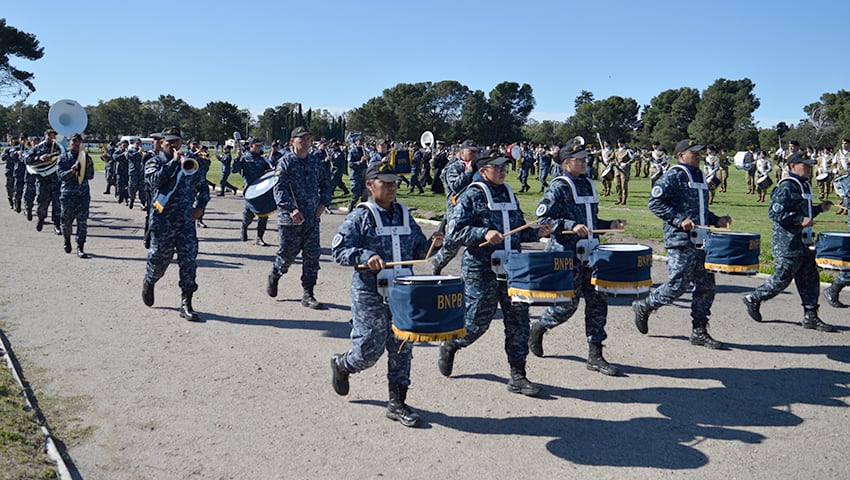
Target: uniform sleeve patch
(777, 207)
(450, 228)
(337, 241)
(657, 191)
(542, 209)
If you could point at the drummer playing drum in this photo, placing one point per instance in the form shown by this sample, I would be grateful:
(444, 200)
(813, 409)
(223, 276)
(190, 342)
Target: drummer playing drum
(572, 204)
(378, 231)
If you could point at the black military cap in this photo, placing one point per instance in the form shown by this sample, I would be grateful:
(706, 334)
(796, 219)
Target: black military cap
(49, 131)
(382, 171)
(798, 157)
(299, 132)
(687, 145)
(256, 141)
(172, 133)
(76, 136)
(572, 151)
(156, 136)
(490, 157)
(468, 144)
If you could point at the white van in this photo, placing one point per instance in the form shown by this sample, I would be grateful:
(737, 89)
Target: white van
(147, 142)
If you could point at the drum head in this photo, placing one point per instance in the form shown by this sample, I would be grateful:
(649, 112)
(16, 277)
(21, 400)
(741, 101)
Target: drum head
(822, 177)
(426, 279)
(261, 185)
(624, 247)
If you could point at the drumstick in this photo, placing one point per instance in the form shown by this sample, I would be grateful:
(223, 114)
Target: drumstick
(703, 227)
(599, 230)
(511, 232)
(363, 266)
(430, 249)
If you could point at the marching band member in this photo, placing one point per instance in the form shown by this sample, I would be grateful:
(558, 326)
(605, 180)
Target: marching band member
(226, 160)
(679, 200)
(11, 156)
(252, 165)
(623, 156)
(763, 169)
(358, 158)
(302, 193)
(172, 225)
(478, 217)
(842, 278)
(793, 216)
(46, 186)
(136, 174)
(362, 239)
(712, 167)
(75, 196)
(27, 179)
(607, 156)
(458, 176)
(571, 203)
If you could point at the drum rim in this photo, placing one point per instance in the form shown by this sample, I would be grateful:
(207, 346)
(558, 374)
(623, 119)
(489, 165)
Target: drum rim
(633, 247)
(714, 233)
(423, 279)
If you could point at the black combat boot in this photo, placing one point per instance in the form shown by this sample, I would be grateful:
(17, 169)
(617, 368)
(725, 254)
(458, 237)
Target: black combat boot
(700, 336)
(753, 306)
(11, 203)
(340, 374)
(595, 361)
(186, 310)
(446, 360)
(261, 242)
(831, 295)
(17, 206)
(535, 338)
(81, 253)
(244, 233)
(39, 225)
(29, 214)
(811, 321)
(309, 300)
(56, 228)
(271, 285)
(397, 410)
(220, 191)
(147, 290)
(67, 244)
(132, 202)
(518, 383)
(642, 311)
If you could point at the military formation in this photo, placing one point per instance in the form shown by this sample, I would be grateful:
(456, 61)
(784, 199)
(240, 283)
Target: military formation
(380, 239)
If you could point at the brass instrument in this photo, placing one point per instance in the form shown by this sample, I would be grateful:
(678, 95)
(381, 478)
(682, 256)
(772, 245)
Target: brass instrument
(81, 164)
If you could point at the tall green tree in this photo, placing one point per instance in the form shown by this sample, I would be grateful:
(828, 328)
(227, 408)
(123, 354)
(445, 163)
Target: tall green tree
(667, 117)
(510, 104)
(218, 121)
(725, 115)
(475, 119)
(14, 82)
(614, 117)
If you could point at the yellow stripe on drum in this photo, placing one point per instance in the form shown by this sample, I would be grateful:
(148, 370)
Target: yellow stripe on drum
(628, 285)
(429, 337)
(832, 264)
(541, 294)
(719, 267)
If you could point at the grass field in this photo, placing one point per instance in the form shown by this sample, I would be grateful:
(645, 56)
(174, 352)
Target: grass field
(747, 215)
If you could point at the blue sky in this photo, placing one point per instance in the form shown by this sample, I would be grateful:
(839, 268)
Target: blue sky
(336, 55)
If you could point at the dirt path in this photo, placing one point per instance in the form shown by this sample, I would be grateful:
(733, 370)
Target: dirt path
(247, 393)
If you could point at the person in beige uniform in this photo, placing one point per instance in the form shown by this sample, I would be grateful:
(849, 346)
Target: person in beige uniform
(623, 156)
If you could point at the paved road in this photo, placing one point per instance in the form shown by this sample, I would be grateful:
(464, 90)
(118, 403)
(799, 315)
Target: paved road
(247, 393)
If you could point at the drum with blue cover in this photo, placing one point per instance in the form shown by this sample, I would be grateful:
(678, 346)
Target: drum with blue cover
(833, 250)
(427, 308)
(259, 196)
(541, 278)
(622, 268)
(733, 252)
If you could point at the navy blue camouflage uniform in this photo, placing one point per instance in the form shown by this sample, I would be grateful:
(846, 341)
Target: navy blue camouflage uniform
(483, 291)
(457, 177)
(303, 184)
(135, 177)
(673, 201)
(173, 229)
(544, 163)
(525, 166)
(339, 166)
(416, 171)
(357, 171)
(121, 164)
(252, 166)
(559, 208)
(842, 278)
(355, 242)
(45, 189)
(11, 158)
(74, 196)
(792, 258)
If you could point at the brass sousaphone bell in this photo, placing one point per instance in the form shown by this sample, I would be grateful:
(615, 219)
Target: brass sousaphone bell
(68, 117)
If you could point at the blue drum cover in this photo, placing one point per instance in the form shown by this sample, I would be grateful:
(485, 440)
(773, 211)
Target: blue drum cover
(259, 196)
(622, 268)
(428, 311)
(833, 250)
(541, 278)
(733, 252)
(401, 161)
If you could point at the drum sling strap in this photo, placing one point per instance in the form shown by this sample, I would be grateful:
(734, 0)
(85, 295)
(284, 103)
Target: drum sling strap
(386, 276)
(499, 257)
(807, 234)
(698, 235)
(586, 245)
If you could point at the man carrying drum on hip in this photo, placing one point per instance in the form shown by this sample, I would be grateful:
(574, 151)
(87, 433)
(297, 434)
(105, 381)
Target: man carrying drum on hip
(571, 203)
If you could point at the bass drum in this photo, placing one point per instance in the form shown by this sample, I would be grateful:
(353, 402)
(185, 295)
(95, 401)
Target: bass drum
(259, 196)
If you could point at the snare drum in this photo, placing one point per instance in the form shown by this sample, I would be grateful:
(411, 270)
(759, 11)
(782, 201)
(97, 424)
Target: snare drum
(764, 182)
(541, 278)
(259, 196)
(713, 181)
(608, 172)
(822, 177)
(744, 161)
(427, 308)
(728, 252)
(833, 250)
(842, 185)
(622, 269)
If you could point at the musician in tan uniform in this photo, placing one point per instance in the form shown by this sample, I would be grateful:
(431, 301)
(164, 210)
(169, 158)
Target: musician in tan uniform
(623, 156)
(606, 175)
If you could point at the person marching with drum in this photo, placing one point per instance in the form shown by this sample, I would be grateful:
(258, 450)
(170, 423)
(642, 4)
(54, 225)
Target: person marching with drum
(679, 199)
(842, 278)
(484, 212)
(623, 158)
(302, 194)
(763, 180)
(46, 186)
(226, 160)
(793, 213)
(606, 171)
(363, 239)
(712, 169)
(571, 204)
(252, 165)
(27, 179)
(172, 220)
(458, 176)
(75, 196)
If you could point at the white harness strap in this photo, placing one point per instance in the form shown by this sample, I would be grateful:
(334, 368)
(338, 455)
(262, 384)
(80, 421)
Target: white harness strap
(504, 207)
(807, 234)
(586, 245)
(386, 276)
(699, 235)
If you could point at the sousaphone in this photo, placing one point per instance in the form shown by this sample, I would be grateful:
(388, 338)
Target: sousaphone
(68, 117)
